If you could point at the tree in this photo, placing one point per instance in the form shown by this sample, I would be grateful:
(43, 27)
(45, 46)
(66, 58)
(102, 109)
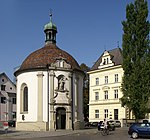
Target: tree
(85, 68)
(136, 58)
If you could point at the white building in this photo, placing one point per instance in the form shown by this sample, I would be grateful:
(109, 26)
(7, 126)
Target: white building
(105, 87)
(7, 99)
(49, 88)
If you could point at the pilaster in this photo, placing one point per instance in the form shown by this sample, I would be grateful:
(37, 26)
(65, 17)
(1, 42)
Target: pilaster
(40, 97)
(69, 112)
(76, 98)
(52, 113)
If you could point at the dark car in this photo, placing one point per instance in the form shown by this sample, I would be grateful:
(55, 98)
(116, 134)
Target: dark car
(117, 123)
(100, 125)
(12, 123)
(94, 124)
(111, 125)
(91, 124)
(139, 130)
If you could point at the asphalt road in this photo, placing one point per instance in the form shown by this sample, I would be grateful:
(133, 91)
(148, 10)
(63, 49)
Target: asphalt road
(118, 134)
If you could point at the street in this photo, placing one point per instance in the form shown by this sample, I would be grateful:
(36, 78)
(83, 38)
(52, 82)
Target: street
(89, 134)
(118, 134)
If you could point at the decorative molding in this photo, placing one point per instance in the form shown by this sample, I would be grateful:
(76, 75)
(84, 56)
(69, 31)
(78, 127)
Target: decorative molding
(96, 89)
(116, 87)
(69, 99)
(61, 63)
(105, 88)
(52, 73)
(52, 101)
(55, 95)
(70, 75)
(40, 73)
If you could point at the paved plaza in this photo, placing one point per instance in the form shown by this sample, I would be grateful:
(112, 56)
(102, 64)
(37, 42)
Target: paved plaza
(13, 134)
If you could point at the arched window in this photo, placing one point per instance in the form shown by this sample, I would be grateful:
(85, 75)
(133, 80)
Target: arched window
(50, 36)
(25, 99)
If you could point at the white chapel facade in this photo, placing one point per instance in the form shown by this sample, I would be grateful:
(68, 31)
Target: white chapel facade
(49, 88)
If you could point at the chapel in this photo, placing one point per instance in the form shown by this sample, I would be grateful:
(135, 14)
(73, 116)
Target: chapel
(49, 88)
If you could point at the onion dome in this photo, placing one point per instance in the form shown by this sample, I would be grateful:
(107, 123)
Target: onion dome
(50, 30)
(48, 54)
(50, 25)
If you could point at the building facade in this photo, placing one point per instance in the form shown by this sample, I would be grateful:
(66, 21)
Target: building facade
(49, 88)
(105, 87)
(7, 99)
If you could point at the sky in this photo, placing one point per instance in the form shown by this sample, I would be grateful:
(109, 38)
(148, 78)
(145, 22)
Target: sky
(86, 28)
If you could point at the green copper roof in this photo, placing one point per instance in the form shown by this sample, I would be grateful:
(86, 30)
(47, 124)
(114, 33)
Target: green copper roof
(50, 25)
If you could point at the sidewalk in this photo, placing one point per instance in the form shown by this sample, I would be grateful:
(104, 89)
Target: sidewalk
(13, 134)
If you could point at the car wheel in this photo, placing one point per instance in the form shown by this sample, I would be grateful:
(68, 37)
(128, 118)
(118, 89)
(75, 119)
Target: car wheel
(134, 135)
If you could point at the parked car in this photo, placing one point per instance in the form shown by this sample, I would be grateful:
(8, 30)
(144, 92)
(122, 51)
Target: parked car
(111, 125)
(117, 123)
(12, 123)
(139, 130)
(87, 124)
(100, 125)
(91, 124)
(94, 124)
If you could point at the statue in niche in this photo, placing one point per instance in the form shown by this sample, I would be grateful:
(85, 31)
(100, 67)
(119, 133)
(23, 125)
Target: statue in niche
(61, 83)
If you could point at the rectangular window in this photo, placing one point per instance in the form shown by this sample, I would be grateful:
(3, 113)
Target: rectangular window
(14, 115)
(97, 81)
(106, 79)
(3, 100)
(106, 95)
(3, 87)
(14, 100)
(115, 114)
(106, 113)
(116, 93)
(116, 78)
(96, 113)
(96, 95)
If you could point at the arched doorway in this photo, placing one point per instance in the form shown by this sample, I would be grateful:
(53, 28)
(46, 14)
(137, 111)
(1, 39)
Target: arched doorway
(60, 118)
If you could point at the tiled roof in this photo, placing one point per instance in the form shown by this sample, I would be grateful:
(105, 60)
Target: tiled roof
(47, 55)
(116, 57)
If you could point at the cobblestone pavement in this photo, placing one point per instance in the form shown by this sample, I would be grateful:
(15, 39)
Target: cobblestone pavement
(13, 134)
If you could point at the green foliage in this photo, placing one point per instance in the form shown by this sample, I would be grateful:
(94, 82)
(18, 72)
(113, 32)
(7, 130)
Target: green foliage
(136, 58)
(85, 68)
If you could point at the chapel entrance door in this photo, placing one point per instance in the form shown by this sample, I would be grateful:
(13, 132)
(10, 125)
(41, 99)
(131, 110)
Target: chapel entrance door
(60, 118)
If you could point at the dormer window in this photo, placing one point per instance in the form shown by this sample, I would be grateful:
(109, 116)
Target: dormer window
(62, 63)
(106, 60)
